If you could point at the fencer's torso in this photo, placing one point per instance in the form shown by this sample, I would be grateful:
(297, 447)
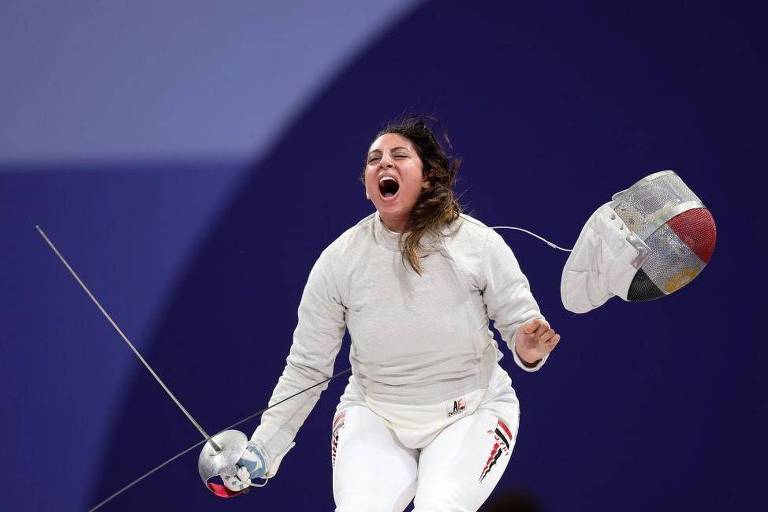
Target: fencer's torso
(416, 339)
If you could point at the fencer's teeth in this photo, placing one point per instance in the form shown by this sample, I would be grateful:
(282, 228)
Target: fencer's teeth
(385, 178)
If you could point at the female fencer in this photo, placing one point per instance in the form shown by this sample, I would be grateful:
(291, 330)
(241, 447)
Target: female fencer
(428, 414)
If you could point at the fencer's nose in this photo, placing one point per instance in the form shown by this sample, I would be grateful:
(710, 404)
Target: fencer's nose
(385, 162)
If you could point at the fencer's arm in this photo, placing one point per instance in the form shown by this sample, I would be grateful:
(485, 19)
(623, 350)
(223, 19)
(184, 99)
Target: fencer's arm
(508, 298)
(316, 342)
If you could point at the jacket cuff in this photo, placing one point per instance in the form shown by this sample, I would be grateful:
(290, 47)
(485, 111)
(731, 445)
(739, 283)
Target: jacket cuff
(525, 366)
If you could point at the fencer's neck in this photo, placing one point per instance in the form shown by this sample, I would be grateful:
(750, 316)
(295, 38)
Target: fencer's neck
(396, 226)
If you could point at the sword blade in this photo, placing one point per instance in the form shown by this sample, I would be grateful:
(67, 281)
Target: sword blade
(125, 338)
(200, 443)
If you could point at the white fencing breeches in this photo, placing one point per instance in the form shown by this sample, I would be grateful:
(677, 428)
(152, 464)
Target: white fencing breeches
(456, 472)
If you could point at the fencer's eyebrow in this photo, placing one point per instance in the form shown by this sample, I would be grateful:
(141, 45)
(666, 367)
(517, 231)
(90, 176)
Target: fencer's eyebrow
(391, 150)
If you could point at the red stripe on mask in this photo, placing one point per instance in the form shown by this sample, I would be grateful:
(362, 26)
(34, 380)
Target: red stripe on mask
(696, 229)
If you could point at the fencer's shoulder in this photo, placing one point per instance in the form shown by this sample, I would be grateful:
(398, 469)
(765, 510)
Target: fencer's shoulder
(351, 237)
(472, 230)
(363, 224)
(481, 237)
(472, 223)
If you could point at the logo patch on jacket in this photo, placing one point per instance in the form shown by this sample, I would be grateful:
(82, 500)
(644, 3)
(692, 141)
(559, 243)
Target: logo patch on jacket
(456, 407)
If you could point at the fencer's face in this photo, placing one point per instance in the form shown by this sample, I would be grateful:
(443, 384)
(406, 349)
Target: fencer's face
(394, 179)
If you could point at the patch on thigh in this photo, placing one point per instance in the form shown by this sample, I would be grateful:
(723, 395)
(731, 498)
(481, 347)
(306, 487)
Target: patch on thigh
(338, 424)
(502, 436)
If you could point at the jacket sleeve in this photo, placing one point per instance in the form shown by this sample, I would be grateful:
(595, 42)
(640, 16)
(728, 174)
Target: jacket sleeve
(316, 342)
(506, 293)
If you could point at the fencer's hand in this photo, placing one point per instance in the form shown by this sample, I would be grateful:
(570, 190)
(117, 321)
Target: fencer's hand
(534, 340)
(252, 465)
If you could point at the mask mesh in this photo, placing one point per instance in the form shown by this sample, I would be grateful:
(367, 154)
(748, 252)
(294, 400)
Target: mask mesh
(681, 237)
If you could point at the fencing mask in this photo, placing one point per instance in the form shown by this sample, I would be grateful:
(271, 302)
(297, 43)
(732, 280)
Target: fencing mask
(647, 242)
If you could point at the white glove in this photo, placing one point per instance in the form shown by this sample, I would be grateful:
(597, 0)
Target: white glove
(252, 465)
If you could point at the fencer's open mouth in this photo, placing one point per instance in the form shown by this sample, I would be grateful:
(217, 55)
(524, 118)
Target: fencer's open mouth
(388, 186)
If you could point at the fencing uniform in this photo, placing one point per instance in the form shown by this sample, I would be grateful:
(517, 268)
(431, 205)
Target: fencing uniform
(426, 393)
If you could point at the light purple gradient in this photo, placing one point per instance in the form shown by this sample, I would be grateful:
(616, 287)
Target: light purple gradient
(87, 80)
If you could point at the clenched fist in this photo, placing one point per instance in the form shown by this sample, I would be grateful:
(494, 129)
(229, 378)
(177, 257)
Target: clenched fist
(534, 340)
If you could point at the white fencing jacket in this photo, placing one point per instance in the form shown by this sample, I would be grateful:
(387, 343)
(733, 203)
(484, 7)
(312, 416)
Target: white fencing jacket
(416, 339)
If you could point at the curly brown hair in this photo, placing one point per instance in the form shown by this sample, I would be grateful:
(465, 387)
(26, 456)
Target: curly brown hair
(437, 206)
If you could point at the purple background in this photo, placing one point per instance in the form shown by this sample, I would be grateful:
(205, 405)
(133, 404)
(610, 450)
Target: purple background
(191, 163)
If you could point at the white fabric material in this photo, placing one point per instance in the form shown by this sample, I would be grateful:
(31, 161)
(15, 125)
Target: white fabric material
(251, 466)
(272, 461)
(417, 425)
(415, 339)
(457, 470)
(237, 481)
(600, 265)
(414, 425)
